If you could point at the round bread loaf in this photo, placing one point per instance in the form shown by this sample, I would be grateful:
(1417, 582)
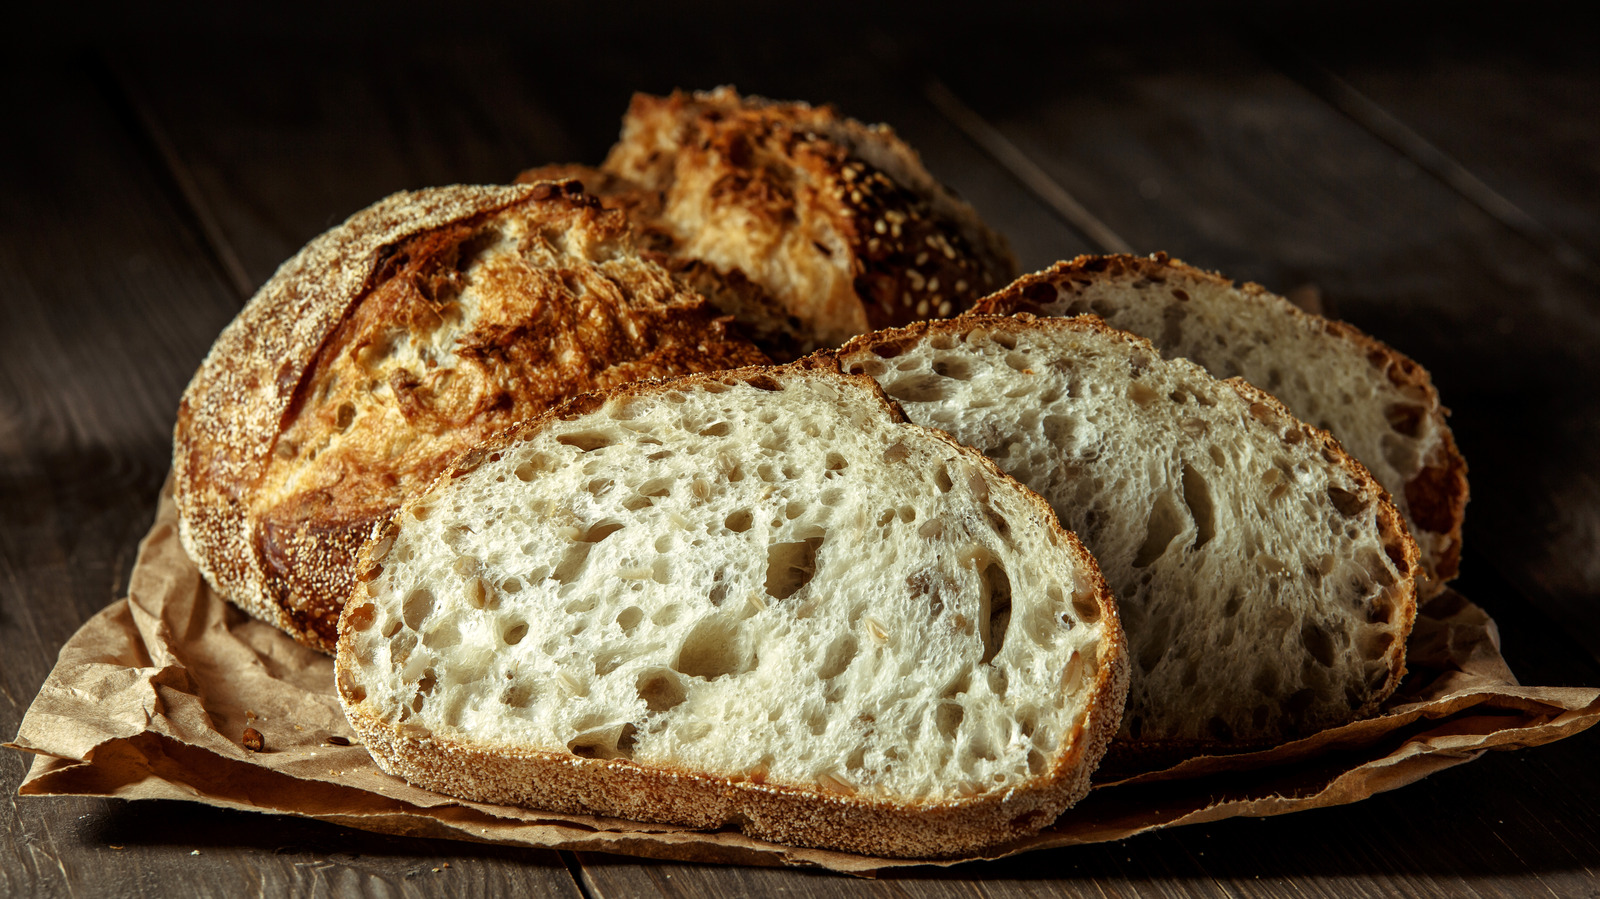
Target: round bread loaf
(807, 226)
(388, 345)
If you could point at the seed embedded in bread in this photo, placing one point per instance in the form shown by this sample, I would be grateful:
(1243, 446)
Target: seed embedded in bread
(1265, 581)
(715, 601)
(807, 226)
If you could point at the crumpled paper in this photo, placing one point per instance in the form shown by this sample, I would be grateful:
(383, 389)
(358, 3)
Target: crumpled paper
(150, 699)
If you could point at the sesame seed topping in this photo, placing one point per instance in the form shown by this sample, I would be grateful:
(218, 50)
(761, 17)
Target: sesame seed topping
(879, 227)
(945, 308)
(922, 308)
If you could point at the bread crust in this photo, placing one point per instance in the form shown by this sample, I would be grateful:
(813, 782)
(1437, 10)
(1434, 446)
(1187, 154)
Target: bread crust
(809, 227)
(360, 369)
(1433, 500)
(1128, 751)
(562, 782)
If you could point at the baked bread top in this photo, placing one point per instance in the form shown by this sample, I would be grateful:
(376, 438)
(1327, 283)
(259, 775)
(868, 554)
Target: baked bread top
(808, 226)
(756, 598)
(388, 345)
(1380, 404)
(1263, 577)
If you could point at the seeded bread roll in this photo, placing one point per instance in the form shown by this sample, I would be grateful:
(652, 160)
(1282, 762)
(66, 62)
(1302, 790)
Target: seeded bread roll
(389, 345)
(756, 599)
(1265, 581)
(1378, 403)
(807, 226)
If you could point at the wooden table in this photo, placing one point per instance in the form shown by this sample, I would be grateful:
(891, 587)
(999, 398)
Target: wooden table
(1440, 188)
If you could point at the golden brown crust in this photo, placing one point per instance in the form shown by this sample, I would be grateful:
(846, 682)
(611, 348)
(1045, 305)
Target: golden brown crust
(806, 226)
(1435, 497)
(562, 782)
(386, 346)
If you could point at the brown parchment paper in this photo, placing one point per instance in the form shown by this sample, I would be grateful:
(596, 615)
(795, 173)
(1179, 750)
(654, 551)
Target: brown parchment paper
(150, 698)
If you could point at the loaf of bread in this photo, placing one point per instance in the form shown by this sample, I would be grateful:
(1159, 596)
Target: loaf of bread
(807, 226)
(388, 346)
(1264, 579)
(755, 599)
(1379, 404)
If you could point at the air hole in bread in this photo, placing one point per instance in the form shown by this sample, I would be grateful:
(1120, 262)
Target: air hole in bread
(346, 416)
(628, 619)
(417, 606)
(711, 650)
(588, 441)
(598, 486)
(608, 743)
(868, 367)
(363, 616)
(511, 585)
(841, 652)
(666, 615)
(947, 718)
(1219, 729)
(738, 521)
(832, 496)
(896, 452)
(1197, 496)
(794, 510)
(1266, 680)
(994, 606)
(766, 472)
(600, 530)
(1318, 642)
(932, 529)
(952, 367)
(941, 478)
(1374, 644)
(924, 388)
(791, 566)
(514, 634)
(1165, 523)
(572, 562)
(607, 662)
(816, 722)
(1084, 606)
(660, 689)
(1348, 504)
(1142, 395)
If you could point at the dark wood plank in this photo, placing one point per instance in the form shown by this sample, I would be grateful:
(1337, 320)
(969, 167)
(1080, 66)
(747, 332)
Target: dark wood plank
(110, 300)
(1515, 108)
(1199, 147)
(281, 141)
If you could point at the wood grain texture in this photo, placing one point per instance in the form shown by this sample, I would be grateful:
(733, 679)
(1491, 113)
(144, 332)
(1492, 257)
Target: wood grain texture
(140, 179)
(1201, 148)
(109, 303)
(1463, 88)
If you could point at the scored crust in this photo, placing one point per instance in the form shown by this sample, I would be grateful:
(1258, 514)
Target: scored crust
(389, 344)
(567, 783)
(807, 226)
(1430, 493)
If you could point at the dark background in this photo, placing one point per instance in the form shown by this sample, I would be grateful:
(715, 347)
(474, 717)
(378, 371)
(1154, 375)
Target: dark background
(1432, 172)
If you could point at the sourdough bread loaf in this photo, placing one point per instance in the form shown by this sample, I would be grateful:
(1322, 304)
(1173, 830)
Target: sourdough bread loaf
(387, 346)
(756, 599)
(807, 226)
(1379, 404)
(1265, 581)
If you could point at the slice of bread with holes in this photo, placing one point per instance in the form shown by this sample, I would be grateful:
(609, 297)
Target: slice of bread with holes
(1378, 403)
(1265, 581)
(757, 599)
(389, 345)
(807, 226)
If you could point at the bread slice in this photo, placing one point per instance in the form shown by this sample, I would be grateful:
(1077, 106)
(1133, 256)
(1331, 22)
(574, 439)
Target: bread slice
(1265, 581)
(1379, 404)
(819, 227)
(756, 599)
(388, 346)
